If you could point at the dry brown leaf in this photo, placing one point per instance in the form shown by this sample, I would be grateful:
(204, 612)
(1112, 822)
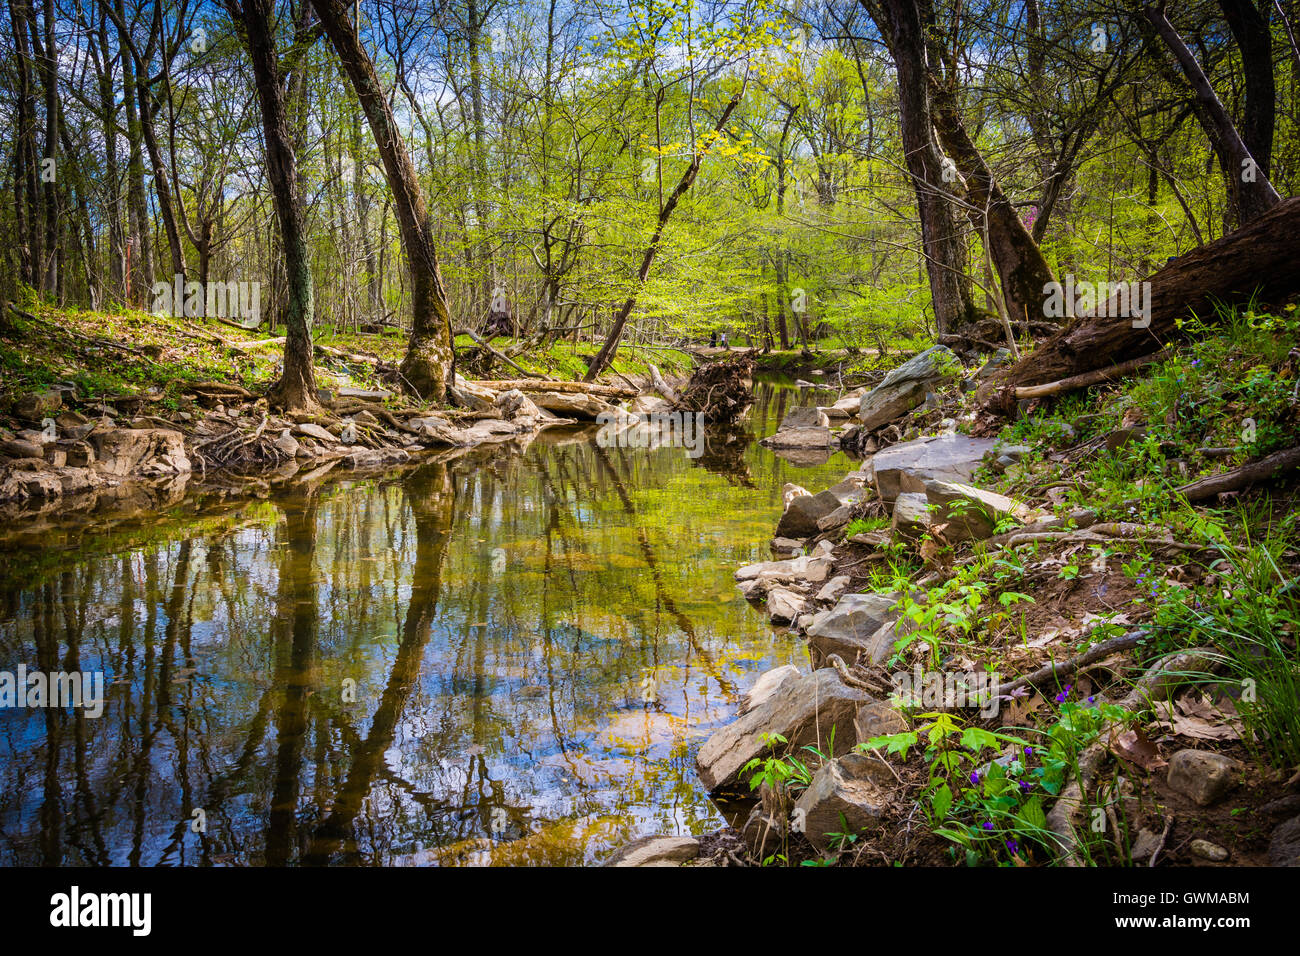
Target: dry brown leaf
(1137, 748)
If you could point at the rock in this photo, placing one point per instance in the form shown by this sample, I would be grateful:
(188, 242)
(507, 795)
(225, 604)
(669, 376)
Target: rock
(783, 605)
(365, 417)
(1146, 843)
(804, 417)
(906, 386)
(1284, 846)
(574, 404)
(970, 513)
(847, 628)
(800, 438)
(312, 430)
(287, 444)
(832, 588)
(911, 514)
(878, 719)
(69, 419)
(80, 454)
(656, 851)
(1209, 851)
(947, 457)
(35, 406)
(56, 456)
(802, 710)
(468, 395)
(836, 519)
(515, 404)
(140, 452)
(366, 394)
(806, 567)
(1122, 436)
(788, 544)
(766, 686)
(845, 796)
(1203, 775)
(846, 407)
(34, 436)
(1000, 358)
(21, 448)
(802, 514)
(648, 405)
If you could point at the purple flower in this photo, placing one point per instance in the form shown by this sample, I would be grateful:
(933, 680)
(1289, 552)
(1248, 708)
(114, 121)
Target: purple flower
(975, 778)
(1029, 751)
(988, 825)
(1092, 700)
(1026, 786)
(1060, 698)
(1013, 846)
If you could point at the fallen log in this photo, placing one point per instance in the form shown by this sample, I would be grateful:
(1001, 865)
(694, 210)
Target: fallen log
(1260, 259)
(1089, 378)
(536, 385)
(499, 355)
(1239, 478)
(661, 386)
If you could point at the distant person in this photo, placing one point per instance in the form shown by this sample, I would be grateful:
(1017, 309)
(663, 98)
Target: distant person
(724, 342)
(713, 339)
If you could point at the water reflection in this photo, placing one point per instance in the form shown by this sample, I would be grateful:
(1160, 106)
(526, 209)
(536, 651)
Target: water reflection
(509, 658)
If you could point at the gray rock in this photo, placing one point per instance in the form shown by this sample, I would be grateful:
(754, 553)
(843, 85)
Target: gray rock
(788, 544)
(806, 567)
(906, 386)
(911, 514)
(803, 711)
(783, 605)
(836, 519)
(832, 588)
(808, 416)
(1284, 846)
(287, 443)
(1203, 775)
(798, 439)
(802, 514)
(1000, 358)
(845, 796)
(312, 430)
(656, 851)
(970, 513)
(847, 629)
(141, 452)
(766, 685)
(947, 457)
(1209, 851)
(878, 719)
(1122, 436)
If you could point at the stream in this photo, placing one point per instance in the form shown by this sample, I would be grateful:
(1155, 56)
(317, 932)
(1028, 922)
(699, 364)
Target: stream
(510, 658)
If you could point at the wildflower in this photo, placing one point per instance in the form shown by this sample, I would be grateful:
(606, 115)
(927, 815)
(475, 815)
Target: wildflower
(1013, 846)
(1026, 786)
(988, 825)
(1060, 698)
(975, 778)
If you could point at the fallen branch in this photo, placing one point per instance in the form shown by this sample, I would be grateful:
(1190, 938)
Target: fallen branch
(1242, 477)
(661, 386)
(504, 358)
(1057, 670)
(1089, 378)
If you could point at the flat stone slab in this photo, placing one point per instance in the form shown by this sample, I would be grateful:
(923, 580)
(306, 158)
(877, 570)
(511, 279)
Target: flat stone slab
(945, 457)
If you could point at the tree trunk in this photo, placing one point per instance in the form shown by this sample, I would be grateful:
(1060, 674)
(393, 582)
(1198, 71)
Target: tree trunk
(1260, 259)
(139, 246)
(296, 389)
(901, 24)
(26, 163)
(1251, 192)
(428, 366)
(607, 350)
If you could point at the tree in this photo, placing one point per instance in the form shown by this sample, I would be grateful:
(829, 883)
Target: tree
(429, 363)
(296, 388)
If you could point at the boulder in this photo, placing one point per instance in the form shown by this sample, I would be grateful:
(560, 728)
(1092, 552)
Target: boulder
(946, 457)
(312, 430)
(648, 405)
(1202, 775)
(797, 439)
(848, 628)
(836, 519)
(804, 417)
(906, 386)
(29, 478)
(514, 404)
(970, 513)
(846, 407)
(806, 567)
(878, 719)
(139, 452)
(783, 605)
(803, 711)
(832, 588)
(1284, 846)
(803, 513)
(475, 397)
(845, 796)
(656, 851)
(766, 686)
(574, 405)
(287, 444)
(911, 514)
(35, 406)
